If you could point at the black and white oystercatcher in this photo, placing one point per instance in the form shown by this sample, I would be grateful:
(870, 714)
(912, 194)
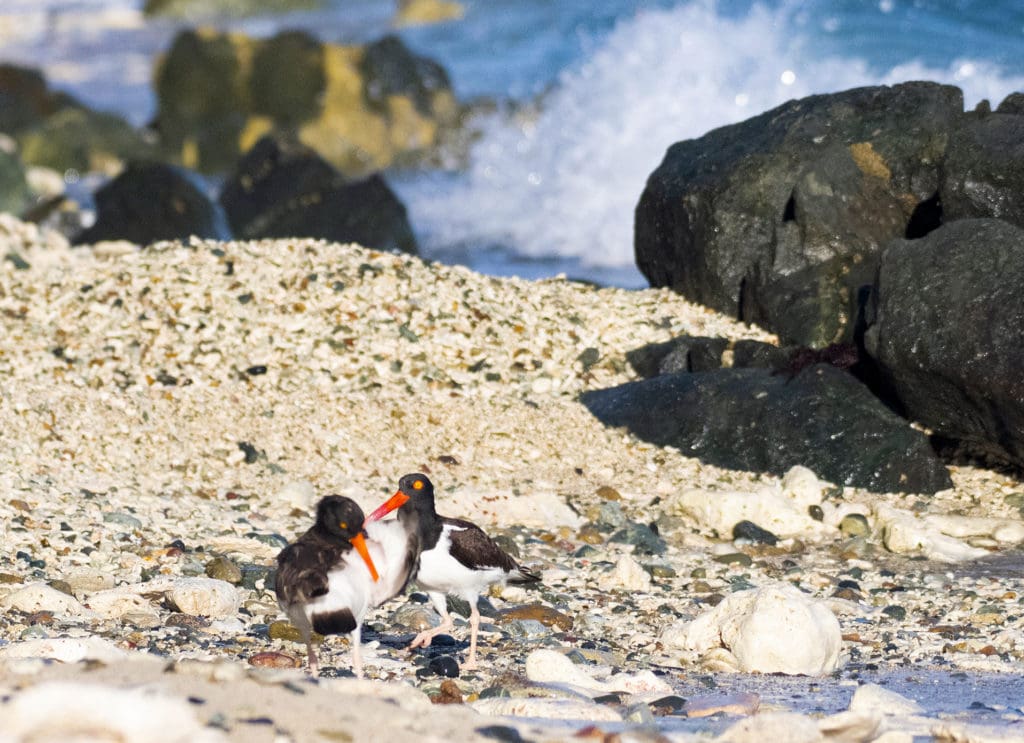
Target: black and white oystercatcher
(327, 579)
(456, 556)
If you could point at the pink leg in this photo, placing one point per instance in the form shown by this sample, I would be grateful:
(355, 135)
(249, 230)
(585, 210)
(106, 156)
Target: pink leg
(474, 624)
(423, 639)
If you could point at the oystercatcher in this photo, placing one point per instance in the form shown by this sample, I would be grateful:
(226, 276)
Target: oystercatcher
(456, 556)
(324, 587)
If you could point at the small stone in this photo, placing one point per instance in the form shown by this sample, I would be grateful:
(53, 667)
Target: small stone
(205, 597)
(9, 578)
(225, 569)
(610, 516)
(850, 594)
(642, 537)
(749, 530)
(670, 705)
(61, 585)
(661, 571)
(607, 492)
(855, 525)
(444, 665)
(123, 519)
(546, 615)
(895, 612)
(253, 574)
(414, 617)
(274, 659)
(450, 693)
(734, 558)
(701, 586)
(526, 628)
(815, 512)
(500, 733)
(589, 534)
(186, 620)
(281, 630)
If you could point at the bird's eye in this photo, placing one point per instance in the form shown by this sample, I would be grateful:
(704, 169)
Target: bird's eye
(343, 525)
(418, 485)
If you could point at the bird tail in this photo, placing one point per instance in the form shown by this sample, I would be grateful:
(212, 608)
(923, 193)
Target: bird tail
(525, 575)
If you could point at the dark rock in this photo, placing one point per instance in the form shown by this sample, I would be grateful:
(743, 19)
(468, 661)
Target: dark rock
(946, 333)
(734, 558)
(750, 419)
(751, 531)
(444, 665)
(150, 202)
(642, 537)
(1012, 104)
(757, 354)
(361, 108)
(983, 173)
(896, 612)
(502, 733)
(284, 189)
(25, 98)
(77, 138)
(780, 219)
(683, 354)
(670, 705)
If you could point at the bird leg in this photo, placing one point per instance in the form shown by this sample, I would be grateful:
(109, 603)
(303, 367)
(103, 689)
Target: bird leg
(424, 638)
(357, 658)
(314, 663)
(474, 624)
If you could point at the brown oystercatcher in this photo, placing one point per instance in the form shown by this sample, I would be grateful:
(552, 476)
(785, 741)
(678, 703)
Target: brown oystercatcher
(323, 585)
(456, 556)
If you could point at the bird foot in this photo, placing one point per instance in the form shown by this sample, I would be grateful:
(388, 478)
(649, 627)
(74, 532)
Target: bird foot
(422, 640)
(470, 665)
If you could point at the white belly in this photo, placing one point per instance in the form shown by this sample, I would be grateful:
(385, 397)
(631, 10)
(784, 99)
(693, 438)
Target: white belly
(439, 571)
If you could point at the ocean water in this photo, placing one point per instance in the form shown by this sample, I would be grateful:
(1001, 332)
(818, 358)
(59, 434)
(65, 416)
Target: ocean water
(590, 94)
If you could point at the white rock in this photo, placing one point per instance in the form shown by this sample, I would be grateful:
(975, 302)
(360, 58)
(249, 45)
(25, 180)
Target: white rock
(628, 575)
(644, 683)
(851, 726)
(552, 709)
(784, 514)
(551, 667)
(803, 487)
(41, 597)
(205, 597)
(771, 629)
(118, 602)
(875, 698)
(66, 649)
(904, 533)
(298, 494)
(101, 713)
(542, 509)
(1005, 531)
(779, 726)
(86, 579)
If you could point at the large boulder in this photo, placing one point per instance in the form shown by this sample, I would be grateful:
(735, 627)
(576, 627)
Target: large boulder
(363, 108)
(983, 173)
(284, 189)
(14, 192)
(947, 331)
(152, 201)
(751, 419)
(780, 219)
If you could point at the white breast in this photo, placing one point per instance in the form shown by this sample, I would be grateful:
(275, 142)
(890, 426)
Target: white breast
(388, 545)
(439, 571)
(348, 587)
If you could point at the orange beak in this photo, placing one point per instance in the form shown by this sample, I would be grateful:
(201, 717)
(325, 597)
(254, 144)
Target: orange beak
(395, 501)
(359, 542)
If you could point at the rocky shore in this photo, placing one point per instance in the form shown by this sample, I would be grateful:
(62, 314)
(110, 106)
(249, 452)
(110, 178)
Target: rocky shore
(171, 413)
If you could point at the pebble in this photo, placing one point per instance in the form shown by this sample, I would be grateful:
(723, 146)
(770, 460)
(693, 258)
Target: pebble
(123, 519)
(282, 630)
(414, 617)
(274, 659)
(855, 525)
(205, 597)
(444, 665)
(642, 537)
(741, 703)
(65, 649)
(782, 726)
(546, 615)
(41, 597)
(627, 575)
(450, 693)
(225, 569)
(734, 558)
(754, 533)
(553, 709)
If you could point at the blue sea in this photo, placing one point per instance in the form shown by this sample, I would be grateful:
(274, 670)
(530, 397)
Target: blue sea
(590, 94)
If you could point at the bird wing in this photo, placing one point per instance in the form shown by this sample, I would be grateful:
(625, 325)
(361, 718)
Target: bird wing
(302, 572)
(474, 549)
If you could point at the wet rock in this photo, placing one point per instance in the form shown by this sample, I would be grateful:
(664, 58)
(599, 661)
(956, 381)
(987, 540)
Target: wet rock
(750, 531)
(205, 597)
(783, 215)
(772, 629)
(281, 188)
(852, 438)
(225, 569)
(148, 202)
